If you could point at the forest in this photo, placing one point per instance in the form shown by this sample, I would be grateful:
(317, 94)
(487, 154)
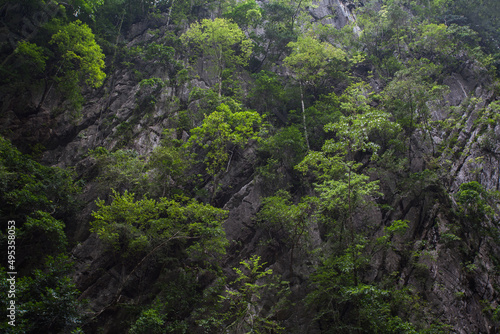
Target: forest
(250, 166)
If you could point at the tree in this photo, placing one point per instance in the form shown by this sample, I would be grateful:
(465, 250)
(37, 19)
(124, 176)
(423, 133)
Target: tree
(27, 186)
(267, 95)
(121, 169)
(311, 60)
(222, 41)
(346, 306)
(169, 163)
(289, 223)
(244, 314)
(408, 96)
(343, 188)
(79, 60)
(182, 236)
(47, 299)
(245, 14)
(221, 133)
(279, 154)
(134, 226)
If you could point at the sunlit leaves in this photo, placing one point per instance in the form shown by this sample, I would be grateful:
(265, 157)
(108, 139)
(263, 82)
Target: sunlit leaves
(221, 133)
(33, 54)
(132, 225)
(222, 41)
(246, 13)
(311, 59)
(80, 53)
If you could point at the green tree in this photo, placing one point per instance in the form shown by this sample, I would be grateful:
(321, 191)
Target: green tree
(168, 165)
(32, 55)
(311, 60)
(182, 236)
(134, 226)
(26, 186)
(344, 188)
(409, 95)
(121, 169)
(279, 154)
(221, 133)
(346, 306)
(267, 95)
(473, 199)
(287, 222)
(46, 299)
(251, 284)
(79, 60)
(245, 14)
(222, 41)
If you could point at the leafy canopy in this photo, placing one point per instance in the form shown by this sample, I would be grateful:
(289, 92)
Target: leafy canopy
(311, 59)
(132, 225)
(223, 131)
(79, 53)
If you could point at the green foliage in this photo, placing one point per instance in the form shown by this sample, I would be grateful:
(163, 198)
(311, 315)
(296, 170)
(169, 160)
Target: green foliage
(409, 96)
(150, 321)
(168, 165)
(351, 191)
(33, 55)
(479, 16)
(27, 186)
(245, 14)
(279, 18)
(349, 307)
(397, 227)
(222, 41)
(279, 155)
(152, 82)
(343, 189)
(44, 233)
(222, 132)
(134, 226)
(325, 110)
(38, 198)
(159, 52)
(45, 301)
(473, 199)
(268, 97)
(287, 146)
(311, 59)
(252, 283)
(80, 59)
(353, 133)
(122, 169)
(288, 224)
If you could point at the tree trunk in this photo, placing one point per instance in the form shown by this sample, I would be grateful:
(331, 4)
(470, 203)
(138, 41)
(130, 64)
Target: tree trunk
(46, 90)
(351, 225)
(304, 116)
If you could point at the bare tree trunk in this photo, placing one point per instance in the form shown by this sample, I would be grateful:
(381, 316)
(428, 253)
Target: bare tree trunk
(304, 116)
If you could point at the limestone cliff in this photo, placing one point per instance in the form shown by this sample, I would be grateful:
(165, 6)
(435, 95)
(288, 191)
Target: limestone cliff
(458, 278)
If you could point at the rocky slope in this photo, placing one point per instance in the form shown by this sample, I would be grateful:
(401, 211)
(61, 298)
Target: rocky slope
(458, 278)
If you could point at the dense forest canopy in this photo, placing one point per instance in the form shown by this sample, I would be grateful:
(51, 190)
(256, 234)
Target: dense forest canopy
(348, 123)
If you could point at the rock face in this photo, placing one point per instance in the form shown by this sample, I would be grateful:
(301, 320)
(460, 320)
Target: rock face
(458, 285)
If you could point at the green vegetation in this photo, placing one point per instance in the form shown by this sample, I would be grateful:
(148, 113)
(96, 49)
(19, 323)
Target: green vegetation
(344, 141)
(222, 132)
(222, 42)
(39, 200)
